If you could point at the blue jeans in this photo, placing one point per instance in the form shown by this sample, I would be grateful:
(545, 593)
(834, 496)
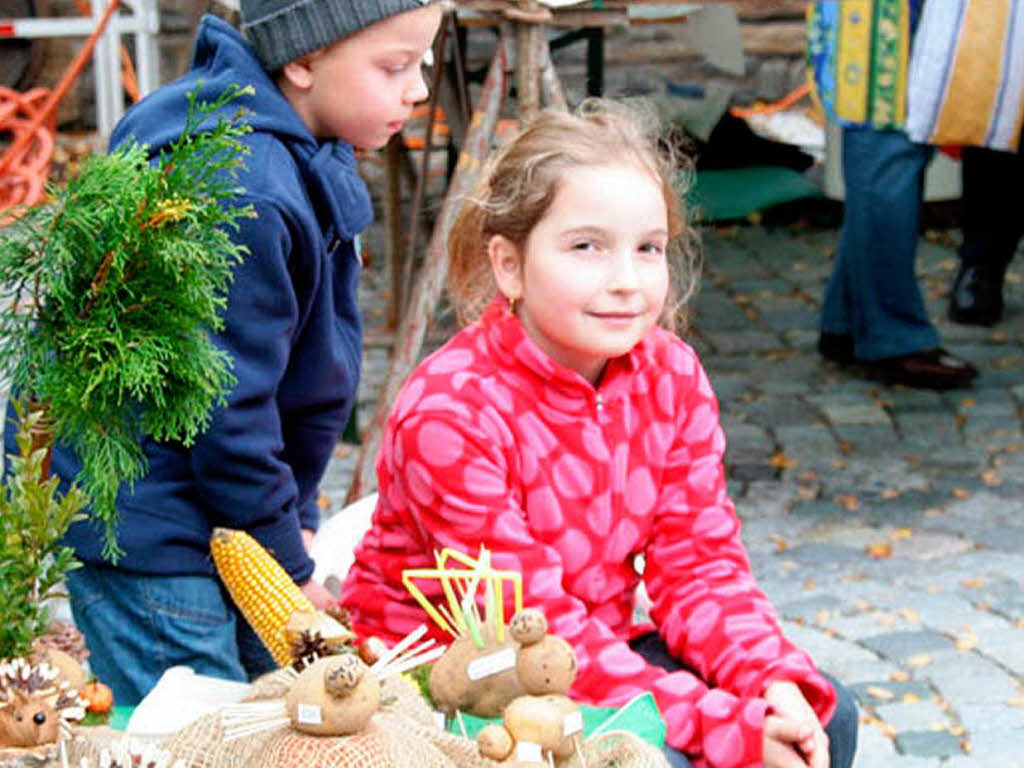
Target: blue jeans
(841, 729)
(873, 293)
(137, 626)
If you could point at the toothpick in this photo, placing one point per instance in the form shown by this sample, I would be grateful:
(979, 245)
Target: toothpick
(450, 618)
(462, 724)
(402, 657)
(63, 755)
(579, 751)
(411, 663)
(400, 646)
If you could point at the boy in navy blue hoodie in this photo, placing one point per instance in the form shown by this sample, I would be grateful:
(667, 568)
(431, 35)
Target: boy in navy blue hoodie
(329, 76)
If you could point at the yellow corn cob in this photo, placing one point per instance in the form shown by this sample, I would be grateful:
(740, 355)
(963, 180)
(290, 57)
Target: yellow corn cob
(260, 587)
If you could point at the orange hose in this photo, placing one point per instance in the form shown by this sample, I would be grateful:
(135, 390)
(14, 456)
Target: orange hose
(128, 77)
(31, 118)
(777, 106)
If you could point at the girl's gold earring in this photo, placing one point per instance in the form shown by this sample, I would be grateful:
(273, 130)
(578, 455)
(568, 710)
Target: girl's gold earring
(512, 300)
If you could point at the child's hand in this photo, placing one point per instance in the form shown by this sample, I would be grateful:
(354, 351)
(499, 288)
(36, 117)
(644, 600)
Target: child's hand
(779, 743)
(318, 595)
(800, 730)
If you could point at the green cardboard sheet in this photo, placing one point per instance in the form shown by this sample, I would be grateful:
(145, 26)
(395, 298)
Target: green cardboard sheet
(735, 193)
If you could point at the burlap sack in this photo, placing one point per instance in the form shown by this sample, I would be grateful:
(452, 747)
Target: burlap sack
(403, 734)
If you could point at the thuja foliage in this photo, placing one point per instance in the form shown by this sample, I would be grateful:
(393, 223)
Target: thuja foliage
(110, 291)
(33, 518)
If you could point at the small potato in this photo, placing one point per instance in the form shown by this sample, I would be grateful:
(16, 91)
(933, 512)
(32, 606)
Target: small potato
(494, 742)
(547, 666)
(528, 626)
(567, 710)
(531, 718)
(314, 707)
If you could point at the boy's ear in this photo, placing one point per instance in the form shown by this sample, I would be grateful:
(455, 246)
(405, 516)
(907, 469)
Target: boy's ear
(299, 73)
(507, 266)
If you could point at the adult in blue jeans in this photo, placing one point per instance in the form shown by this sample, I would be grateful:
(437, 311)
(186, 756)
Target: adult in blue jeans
(841, 729)
(873, 312)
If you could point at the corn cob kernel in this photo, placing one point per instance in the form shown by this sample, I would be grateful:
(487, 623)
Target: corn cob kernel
(263, 591)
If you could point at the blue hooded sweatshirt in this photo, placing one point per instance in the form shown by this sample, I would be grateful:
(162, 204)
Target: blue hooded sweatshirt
(292, 328)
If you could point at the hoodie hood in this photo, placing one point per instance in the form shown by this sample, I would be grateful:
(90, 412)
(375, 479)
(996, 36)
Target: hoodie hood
(222, 58)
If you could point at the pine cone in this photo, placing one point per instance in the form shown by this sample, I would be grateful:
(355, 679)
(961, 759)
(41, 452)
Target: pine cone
(64, 637)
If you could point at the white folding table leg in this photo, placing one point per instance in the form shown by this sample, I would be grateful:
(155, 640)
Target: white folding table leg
(147, 53)
(107, 72)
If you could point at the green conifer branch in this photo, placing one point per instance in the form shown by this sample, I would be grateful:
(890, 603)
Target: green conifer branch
(109, 293)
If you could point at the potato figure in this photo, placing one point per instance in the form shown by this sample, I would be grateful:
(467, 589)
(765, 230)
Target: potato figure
(334, 696)
(479, 681)
(546, 663)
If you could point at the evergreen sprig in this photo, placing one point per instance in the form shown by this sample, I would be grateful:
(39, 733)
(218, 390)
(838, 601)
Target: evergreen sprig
(33, 518)
(111, 290)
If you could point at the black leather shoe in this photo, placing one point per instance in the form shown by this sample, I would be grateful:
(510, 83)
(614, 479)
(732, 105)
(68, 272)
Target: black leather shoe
(930, 369)
(976, 297)
(837, 347)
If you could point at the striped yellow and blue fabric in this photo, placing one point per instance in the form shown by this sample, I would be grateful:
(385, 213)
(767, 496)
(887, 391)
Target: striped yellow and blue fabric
(966, 83)
(857, 54)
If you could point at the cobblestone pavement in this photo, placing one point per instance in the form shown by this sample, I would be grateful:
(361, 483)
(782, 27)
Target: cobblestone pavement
(887, 524)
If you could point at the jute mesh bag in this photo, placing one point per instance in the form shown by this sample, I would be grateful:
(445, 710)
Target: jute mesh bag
(403, 734)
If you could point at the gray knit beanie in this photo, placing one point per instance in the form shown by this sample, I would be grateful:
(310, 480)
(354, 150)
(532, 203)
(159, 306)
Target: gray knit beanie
(285, 30)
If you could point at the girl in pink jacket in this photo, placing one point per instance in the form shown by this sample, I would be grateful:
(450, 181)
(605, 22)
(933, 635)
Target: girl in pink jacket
(572, 433)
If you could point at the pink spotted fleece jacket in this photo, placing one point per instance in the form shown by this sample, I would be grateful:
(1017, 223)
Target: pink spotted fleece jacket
(491, 442)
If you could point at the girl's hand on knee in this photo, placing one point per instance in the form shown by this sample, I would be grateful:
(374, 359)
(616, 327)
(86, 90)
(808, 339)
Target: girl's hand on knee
(789, 702)
(780, 742)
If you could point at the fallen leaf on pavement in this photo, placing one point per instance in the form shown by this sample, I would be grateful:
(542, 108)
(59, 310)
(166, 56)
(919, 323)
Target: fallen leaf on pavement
(902, 533)
(881, 725)
(899, 676)
(886, 619)
(968, 402)
(910, 698)
(780, 543)
(809, 585)
(991, 478)
(957, 730)
(909, 614)
(960, 493)
(781, 461)
(973, 583)
(890, 493)
(933, 589)
(877, 692)
(322, 501)
(847, 501)
(1017, 702)
(920, 660)
(966, 642)
(879, 550)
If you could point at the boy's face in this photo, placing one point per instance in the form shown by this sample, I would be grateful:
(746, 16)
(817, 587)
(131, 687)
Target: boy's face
(362, 89)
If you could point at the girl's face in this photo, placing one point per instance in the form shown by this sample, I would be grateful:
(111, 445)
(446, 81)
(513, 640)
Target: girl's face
(592, 278)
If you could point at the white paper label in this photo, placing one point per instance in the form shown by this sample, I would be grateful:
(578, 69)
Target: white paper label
(528, 752)
(309, 714)
(572, 723)
(439, 720)
(492, 664)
